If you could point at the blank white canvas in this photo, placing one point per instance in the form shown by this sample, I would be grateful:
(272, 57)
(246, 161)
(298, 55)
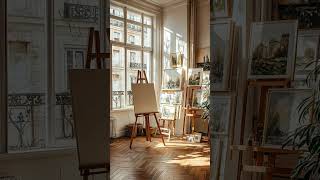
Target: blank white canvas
(144, 98)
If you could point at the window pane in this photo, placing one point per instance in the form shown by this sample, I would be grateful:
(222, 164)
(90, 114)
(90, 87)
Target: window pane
(134, 34)
(147, 35)
(118, 87)
(134, 60)
(117, 57)
(147, 64)
(117, 30)
(132, 78)
(27, 75)
(116, 11)
(147, 20)
(134, 64)
(134, 16)
(70, 53)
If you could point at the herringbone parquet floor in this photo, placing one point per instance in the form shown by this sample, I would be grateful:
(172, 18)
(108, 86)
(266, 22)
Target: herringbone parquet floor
(178, 160)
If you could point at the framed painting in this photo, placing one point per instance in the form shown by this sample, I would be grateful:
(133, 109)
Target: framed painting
(168, 112)
(221, 43)
(173, 98)
(220, 8)
(205, 78)
(306, 55)
(272, 49)
(173, 60)
(220, 114)
(172, 79)
(195, 76)
(282, 115)
(197, 98)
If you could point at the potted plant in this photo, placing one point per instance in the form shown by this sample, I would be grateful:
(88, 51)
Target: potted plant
(307, 137)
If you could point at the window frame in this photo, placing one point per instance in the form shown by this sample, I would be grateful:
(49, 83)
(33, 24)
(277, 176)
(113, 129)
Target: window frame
(128, 46)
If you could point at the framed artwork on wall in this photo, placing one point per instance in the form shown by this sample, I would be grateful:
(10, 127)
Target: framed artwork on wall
(172, 79)
(272, 49)
(282, 115)
(195, 76)
(221, 48)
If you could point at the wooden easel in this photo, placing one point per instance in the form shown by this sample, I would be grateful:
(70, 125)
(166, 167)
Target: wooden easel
(140, 78)
(264, 86)
(190, 112)
(94, 36)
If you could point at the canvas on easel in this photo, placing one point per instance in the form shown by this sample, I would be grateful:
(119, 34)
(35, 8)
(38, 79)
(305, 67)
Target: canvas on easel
(145, 104)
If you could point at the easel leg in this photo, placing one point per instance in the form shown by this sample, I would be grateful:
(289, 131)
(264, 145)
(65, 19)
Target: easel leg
(192, 119)
(148, 135)
(159, 128)
(134, 129)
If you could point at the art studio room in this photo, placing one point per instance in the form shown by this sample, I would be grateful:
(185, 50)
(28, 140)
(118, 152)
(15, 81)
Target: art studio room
(159, 89)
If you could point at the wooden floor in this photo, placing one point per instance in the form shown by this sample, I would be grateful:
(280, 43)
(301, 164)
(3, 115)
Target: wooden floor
(152, 161)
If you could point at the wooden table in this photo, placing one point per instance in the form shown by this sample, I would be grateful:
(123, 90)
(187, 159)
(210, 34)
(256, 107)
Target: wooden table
(264, 158)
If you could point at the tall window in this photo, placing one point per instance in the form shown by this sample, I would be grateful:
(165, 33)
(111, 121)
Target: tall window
(131, 37)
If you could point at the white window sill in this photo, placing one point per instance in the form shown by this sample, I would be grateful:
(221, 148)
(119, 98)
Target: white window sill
(38, 154)
(122, 110)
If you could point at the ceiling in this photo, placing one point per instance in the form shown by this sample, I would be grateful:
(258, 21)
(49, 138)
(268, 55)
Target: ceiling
(163, 3)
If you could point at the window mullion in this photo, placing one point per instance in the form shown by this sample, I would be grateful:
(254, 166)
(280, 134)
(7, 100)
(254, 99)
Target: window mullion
(125, 58)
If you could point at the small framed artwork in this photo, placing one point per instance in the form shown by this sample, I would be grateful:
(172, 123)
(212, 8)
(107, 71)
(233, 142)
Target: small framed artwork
(173, 60)
(168, 112)
(197, 98)
(195, 76)
(220, 8)
(221, 42)
(220, 114)
(172, 79)
(197, 137)
(180, 60)
(282, 115)
(206, 78)
(272, 49)
(174, 98)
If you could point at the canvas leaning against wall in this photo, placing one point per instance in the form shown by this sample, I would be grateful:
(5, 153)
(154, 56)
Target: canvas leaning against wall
(282, 115)
(221, 48)
(272, 49)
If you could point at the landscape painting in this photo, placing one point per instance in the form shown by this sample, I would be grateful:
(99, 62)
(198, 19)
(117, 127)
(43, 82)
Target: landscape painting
(307, 48)
(197, 98)
(172, 79)
(174, 98)
(282, 115)
(220, 114)
(195, 76)
(272, 49)
(205, 78)
(221, 42)
(168, 112)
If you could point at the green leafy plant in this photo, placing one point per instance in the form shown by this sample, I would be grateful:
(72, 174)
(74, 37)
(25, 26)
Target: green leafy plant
(307, 137)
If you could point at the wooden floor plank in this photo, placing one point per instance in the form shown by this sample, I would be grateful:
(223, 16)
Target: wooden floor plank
(178, 160)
